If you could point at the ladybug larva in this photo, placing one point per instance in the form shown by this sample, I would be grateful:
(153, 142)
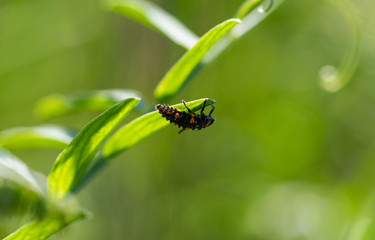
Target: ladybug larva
(186, 120)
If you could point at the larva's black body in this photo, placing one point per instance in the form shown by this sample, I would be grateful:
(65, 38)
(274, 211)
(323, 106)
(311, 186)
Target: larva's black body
(186, 120)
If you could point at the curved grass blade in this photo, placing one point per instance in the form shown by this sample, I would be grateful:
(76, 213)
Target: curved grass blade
(47, 136)
(253, 18)
(179, 73)
(45, 227)
(332, 78)
(255, 15)
(11, 168)
(76, 157)
(58, 105)
(140, 128)
(156, 18)
(246, 7)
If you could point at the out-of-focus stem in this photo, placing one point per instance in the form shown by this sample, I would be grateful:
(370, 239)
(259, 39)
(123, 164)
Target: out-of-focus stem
(333, 79)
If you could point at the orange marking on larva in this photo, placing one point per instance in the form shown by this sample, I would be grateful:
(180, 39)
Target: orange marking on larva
(192, 120)
(177, 115)
(179, 110)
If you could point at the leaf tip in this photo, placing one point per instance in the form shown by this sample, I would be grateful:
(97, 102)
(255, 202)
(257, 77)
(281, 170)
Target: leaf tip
(236, 20)
(232, 21)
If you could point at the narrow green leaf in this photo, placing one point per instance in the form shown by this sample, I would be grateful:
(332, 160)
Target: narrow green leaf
(73, 161)
(58, 105)
(179, 73)
(251, 14)
(140, 128)
(246, 7)
(47, 136)
(156, 18)
(253, 18)
(11, 168)
(45, 227)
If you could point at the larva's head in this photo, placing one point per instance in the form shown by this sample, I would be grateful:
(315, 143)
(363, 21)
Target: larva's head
(210, 121)
(159, 106)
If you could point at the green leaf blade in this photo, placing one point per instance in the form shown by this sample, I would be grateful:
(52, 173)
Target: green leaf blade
(253, 18)
(13, 169)
(46, 136)
(59, 105)
(74, 160)
(251, 14)
(156, 18)
(140, 128)
(179, 73)
(45, 227)
(246, 7)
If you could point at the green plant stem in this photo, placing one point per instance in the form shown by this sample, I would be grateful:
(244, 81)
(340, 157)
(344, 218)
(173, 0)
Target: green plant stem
(333, 79)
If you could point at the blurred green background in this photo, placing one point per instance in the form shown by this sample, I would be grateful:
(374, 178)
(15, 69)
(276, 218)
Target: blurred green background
(284, 160)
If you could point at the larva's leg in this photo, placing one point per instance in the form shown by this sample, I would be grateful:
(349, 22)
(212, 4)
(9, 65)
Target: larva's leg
(181, 130)
(186, 106)
(212, 110)
(204, 105)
